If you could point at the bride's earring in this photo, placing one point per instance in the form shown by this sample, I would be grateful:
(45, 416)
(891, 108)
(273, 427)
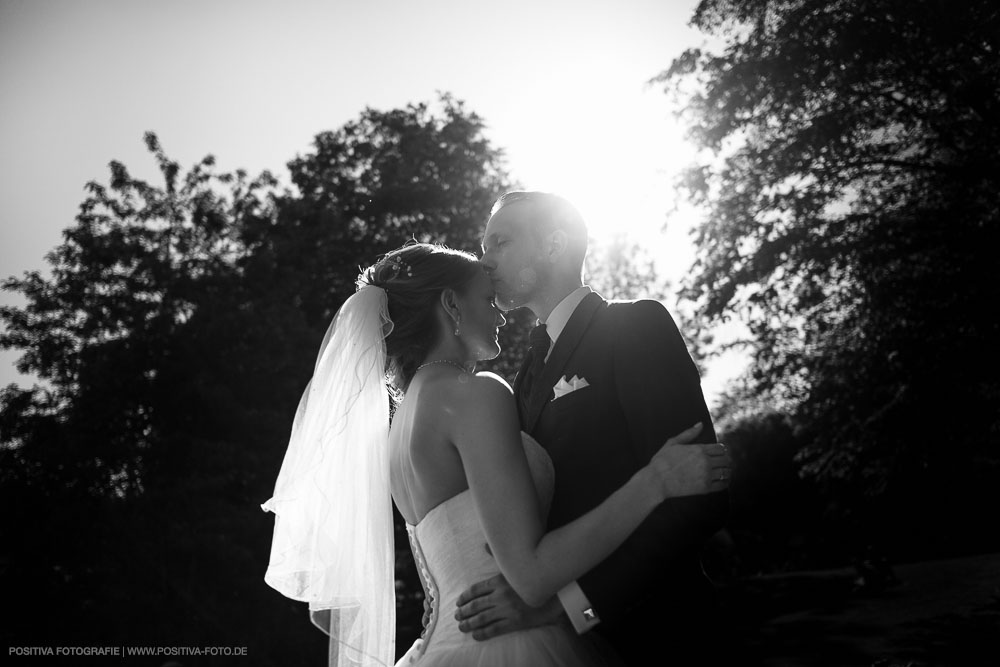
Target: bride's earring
(457, 321)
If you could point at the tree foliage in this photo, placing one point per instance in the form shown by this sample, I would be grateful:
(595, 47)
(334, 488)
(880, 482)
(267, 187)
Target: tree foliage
(850, 179)
(386, 177)
(124, 283)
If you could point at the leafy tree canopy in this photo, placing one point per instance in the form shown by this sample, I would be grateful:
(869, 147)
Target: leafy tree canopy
(852, 161)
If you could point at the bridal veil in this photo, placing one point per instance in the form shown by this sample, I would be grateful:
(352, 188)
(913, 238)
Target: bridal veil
(333, 534)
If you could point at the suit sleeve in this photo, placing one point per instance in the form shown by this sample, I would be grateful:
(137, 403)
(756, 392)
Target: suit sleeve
(660, 393)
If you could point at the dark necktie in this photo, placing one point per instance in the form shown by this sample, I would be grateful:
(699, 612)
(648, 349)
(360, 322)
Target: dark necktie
(539, 342)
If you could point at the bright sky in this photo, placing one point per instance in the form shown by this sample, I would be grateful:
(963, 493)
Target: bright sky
(560, 84)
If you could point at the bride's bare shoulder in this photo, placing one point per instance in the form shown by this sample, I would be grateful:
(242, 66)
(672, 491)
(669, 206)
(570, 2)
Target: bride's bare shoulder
(473, 393)
(492, 381)
(463, 389)
(484, 414)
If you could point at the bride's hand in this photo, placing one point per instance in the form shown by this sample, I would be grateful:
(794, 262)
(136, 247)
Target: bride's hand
(683, 469)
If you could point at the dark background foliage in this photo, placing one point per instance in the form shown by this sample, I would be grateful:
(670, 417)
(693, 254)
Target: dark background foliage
(850, 185)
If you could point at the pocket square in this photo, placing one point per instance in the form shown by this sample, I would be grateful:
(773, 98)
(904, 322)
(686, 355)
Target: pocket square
(565, 386)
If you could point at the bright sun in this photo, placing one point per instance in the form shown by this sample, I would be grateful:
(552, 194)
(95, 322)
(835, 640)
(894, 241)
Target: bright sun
(615, 156)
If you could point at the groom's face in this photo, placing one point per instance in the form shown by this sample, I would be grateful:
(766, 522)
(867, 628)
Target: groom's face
(512, 256)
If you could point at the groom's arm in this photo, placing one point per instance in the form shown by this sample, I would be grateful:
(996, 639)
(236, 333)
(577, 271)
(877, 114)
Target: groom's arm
(659, 390)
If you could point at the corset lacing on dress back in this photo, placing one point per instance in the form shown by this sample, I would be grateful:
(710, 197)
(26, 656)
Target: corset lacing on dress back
(450, 552)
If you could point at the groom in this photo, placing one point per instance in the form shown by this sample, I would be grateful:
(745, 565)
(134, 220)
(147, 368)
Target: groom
(604, 385)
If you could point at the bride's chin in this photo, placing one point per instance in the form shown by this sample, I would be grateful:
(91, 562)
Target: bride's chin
(490, 353)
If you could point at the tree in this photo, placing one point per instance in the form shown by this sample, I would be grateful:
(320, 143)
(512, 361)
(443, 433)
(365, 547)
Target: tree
(119, 452)
(378, 181)
(850, 186)
(124, 283)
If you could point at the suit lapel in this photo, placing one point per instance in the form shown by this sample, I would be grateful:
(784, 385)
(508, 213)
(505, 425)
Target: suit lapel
(561, 352)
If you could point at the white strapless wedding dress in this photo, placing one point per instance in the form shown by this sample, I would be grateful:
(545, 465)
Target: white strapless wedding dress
(449, 549)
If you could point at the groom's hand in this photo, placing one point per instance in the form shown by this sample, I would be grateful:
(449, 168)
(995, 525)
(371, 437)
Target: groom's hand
(491, 608)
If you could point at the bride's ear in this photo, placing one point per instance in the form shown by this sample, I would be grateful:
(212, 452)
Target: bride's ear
(449, 302)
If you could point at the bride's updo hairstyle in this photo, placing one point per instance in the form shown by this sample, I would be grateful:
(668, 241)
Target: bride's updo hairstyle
(413, 278)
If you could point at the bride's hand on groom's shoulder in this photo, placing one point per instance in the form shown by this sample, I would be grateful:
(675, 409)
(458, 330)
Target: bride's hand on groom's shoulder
(680, 468)
(491, 608)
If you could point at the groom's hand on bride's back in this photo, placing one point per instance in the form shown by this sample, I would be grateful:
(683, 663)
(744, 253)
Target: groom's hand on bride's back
(491, 608)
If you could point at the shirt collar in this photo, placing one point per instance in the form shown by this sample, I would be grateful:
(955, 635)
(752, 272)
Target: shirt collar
(559, 317)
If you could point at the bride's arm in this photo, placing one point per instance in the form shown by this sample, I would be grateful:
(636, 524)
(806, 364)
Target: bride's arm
(537, 564)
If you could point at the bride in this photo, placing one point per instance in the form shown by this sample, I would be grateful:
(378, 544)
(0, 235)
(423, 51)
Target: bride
(473, 489)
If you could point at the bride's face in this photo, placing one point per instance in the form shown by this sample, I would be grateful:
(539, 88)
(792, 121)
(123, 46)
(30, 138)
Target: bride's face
(481, 319)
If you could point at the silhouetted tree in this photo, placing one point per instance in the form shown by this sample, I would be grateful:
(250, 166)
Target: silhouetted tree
(121, 475)
(851, 202)
(123, 284)
(376, 182)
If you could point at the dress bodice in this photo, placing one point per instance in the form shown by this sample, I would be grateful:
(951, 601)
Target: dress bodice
(449, 549)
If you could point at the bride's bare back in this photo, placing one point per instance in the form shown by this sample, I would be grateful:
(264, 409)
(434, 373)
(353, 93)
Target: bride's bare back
(425, 466)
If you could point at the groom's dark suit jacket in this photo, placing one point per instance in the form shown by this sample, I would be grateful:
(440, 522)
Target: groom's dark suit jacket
(651, 595)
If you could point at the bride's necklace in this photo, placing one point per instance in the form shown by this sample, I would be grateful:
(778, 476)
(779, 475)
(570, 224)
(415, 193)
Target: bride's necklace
(444, 361)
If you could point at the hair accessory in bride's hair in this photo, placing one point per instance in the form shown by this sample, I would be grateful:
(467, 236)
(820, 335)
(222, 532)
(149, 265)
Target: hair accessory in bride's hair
(391, 268)
(384, 272)
(399, 266)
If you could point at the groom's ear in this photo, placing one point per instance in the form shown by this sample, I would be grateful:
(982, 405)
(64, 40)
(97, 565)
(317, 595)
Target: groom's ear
(557, 245)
